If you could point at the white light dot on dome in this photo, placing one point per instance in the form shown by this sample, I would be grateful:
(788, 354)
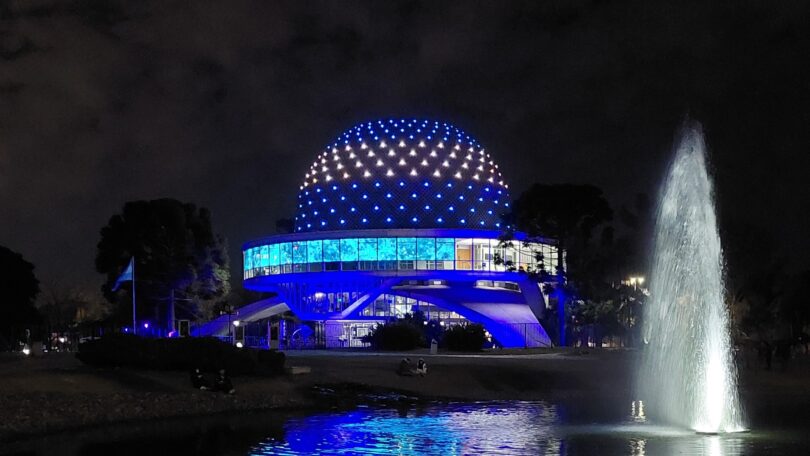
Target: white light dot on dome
(426, 146)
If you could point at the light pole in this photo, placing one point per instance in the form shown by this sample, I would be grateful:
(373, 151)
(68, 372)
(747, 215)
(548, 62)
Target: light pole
(235, 328)
(227, 309)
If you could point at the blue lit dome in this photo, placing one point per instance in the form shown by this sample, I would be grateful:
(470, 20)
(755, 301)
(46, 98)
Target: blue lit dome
(402, 173)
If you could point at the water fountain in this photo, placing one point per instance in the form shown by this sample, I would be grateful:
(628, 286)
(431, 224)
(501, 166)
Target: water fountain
(687, 376)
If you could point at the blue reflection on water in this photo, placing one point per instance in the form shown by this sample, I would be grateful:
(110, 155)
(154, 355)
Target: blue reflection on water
(507, 428)
(490, 428)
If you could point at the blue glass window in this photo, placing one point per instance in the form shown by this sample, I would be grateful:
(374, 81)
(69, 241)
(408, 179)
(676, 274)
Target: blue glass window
(274, 254)
(257, 257)
(368, 249)
(299, 250)
(445, 248)
(348, 250)
(314, 251)
(265, 256)
(286, 253)
(426, 249)
(331, 250)
(387, 249)
(248, 259)
(406, 249)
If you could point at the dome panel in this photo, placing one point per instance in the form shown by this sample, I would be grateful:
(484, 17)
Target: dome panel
(400, 173)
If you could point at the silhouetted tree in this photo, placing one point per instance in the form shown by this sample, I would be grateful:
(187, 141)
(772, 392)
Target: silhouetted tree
(176, 253)
(19, 288)
(568, 214)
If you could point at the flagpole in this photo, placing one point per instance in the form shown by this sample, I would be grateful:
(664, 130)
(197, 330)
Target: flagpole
(134, 317)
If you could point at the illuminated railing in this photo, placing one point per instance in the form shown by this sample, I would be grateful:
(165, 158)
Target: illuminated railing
(394, 254)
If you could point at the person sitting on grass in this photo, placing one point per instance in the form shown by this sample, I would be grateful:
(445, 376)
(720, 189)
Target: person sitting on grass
(421, 367)
(197, 380)
(223, 383)
(405, 369)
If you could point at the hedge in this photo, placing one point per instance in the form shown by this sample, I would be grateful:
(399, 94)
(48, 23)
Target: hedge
(207, 353)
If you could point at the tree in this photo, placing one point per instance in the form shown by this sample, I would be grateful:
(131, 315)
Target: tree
(65, 307)
(19, 288)
(178, 258)
(568, 214)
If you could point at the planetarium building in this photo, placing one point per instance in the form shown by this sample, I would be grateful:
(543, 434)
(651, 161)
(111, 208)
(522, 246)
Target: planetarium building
(398, 216)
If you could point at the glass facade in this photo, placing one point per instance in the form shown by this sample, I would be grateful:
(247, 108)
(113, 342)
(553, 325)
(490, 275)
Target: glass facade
(396, 253)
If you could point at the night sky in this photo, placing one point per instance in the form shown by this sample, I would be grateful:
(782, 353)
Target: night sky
(225, 103)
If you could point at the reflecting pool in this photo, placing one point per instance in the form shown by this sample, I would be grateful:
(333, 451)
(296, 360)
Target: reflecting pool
(574, 427)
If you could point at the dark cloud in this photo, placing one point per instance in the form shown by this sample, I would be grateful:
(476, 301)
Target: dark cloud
(223, 103)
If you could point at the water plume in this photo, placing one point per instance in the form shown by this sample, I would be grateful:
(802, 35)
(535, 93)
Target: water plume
(687, 375)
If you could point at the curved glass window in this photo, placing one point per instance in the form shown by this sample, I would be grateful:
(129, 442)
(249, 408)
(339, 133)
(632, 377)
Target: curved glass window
(392, 253)
(314, 251)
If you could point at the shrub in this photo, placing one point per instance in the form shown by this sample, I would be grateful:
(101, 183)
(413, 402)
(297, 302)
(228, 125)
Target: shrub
(207, 353)
(465, 337)
(396, 335)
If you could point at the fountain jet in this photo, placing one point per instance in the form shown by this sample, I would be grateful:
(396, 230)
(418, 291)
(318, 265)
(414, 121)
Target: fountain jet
(687, 376)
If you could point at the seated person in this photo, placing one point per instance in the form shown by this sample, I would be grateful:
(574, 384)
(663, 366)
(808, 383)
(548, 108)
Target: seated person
(421, 367)
(223, 383)
(405, 367)
(197, 380)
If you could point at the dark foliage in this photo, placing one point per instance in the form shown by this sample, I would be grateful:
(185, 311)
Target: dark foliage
(396, 335)
(465, 337)
(19, 288)
(207, 353)
(175, 249)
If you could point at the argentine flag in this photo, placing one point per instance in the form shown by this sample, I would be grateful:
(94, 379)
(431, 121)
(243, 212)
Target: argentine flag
(125, 276)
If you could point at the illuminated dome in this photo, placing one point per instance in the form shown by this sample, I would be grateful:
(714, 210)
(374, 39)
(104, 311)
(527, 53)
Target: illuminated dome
(402, 173)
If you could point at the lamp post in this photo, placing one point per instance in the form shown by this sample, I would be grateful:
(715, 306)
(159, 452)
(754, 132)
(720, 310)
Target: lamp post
(235, 328)
(228, 309)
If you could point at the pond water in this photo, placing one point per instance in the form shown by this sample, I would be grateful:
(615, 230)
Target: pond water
(491, 428)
